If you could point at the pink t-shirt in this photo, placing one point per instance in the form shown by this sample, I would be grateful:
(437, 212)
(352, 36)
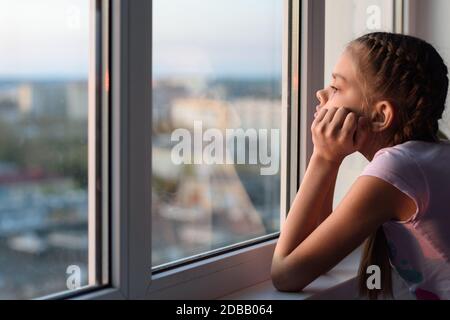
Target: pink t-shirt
(419, 247)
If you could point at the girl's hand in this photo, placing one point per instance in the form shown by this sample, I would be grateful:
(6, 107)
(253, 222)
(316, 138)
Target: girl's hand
(337, 133)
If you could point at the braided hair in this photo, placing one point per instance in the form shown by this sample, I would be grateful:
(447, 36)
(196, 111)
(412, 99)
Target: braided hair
(410, 74)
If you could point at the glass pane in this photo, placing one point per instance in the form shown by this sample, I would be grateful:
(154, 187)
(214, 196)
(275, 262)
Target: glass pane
(346, 20)
(43, 146)
(216, 69)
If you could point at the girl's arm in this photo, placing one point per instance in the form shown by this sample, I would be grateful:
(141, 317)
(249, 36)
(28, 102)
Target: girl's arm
(327, 207)
(369, 203)
(304, 252)
(310, 204)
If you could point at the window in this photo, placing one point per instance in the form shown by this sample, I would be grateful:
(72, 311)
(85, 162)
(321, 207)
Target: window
(217, 86)
(352, 18)
(47, 177)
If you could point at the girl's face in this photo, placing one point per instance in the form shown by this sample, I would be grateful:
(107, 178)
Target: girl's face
(343, 90)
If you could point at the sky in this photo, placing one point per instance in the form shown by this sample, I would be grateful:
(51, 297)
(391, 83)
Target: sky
(44, 38)
(50, 38)
(226, 37)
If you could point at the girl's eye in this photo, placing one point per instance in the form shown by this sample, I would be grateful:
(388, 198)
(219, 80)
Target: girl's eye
(334, 89)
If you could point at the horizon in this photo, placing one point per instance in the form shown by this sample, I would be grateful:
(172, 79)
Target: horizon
(45, 78)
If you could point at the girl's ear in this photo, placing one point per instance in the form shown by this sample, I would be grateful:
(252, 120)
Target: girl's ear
(382, 116)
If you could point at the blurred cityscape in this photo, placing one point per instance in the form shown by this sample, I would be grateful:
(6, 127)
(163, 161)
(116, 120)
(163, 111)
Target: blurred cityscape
(43, 185)
(196, 208)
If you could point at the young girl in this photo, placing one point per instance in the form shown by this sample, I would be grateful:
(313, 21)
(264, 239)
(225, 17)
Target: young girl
(387, 95)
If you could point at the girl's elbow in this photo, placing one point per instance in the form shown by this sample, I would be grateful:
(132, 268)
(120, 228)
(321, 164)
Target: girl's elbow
(285, 281)
(285, 285)
(277, 275)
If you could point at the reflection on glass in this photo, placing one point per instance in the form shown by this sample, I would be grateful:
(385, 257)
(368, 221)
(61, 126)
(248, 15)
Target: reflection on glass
(43, 146)
(217, 64)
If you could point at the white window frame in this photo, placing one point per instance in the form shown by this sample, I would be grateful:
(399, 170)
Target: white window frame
(409, 10)
(130, 176)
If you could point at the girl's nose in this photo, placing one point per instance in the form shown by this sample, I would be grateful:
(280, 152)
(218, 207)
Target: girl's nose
(321, 96)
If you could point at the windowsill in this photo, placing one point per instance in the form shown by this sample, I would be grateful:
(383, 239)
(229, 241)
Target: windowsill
(321, 288)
